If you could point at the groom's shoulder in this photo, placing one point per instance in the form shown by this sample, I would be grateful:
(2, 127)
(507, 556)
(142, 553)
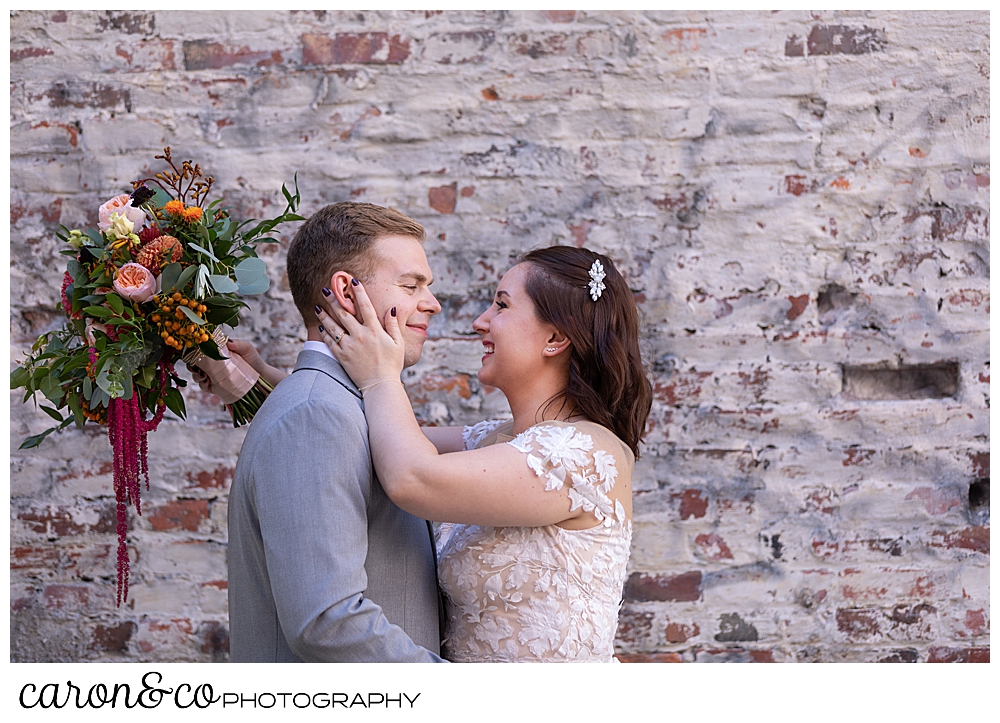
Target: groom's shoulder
(310, 394)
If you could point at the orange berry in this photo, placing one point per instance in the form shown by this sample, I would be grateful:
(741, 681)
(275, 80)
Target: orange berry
(177, 296)
(164, 334)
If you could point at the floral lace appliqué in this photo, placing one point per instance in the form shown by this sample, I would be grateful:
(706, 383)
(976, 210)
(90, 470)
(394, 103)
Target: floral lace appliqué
(524, 594)
(474, 435)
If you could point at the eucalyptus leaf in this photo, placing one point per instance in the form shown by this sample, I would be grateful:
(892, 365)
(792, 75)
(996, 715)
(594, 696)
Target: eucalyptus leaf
(74, 268)
(258, 287)
(223, 284)
(250, 270)
(111, 386)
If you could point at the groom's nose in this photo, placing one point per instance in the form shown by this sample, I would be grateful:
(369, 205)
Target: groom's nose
(430, 304)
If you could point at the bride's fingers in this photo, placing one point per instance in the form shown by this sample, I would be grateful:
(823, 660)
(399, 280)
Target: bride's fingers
(392, 326)
(368, 314)
(336, 314)
(328, 326)
(332, 340)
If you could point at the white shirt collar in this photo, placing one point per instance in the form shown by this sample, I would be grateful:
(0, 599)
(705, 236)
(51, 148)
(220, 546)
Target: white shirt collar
(318, 346)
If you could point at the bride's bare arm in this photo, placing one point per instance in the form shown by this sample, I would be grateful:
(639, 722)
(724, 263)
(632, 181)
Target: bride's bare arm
(490, 486)
(445, 439)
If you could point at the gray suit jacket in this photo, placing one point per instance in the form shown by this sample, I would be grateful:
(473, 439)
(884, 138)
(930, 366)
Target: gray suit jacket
(322, 565)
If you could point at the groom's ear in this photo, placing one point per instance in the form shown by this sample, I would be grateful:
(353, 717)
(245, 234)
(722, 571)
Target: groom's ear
(340, 284)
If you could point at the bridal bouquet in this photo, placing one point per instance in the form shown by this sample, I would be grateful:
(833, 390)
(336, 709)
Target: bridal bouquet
(153, 284)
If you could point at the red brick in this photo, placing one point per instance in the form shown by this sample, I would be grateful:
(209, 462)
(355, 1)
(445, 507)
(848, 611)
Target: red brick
(209, 55)
(858, 457)
(859, 624)
(799, 304)
(442, 198)
(684, 40)
(678, 633)
(93, 95)
(16, 55)
(146, 56)
(559, 16)
(345, 48)
(761, 656)
(127, 22)
(958, 655)
(490, 93)
(976, 539)
(179, 515)
(975, 621)
(46, 557)
(936, 501)
(692, 504)
(682, 387)
(980, 460)
(844, 40)
(713, 546)
(797, 185)
(219, 478)
(649, 658)
(113, 638)
(66, 596)
(685, 587)
(538, 46)
(635, 627)
(420, 393)
(58, 521)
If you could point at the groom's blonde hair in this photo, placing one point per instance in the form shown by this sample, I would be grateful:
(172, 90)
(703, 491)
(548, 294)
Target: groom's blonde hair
(340, 237)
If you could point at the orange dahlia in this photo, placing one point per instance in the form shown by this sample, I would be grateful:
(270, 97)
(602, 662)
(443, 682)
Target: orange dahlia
(160, 252)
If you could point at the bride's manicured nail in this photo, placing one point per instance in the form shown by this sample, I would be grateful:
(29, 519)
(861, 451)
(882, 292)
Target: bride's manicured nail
(354, 282)
(321, 328)
(326, 291)
(318, 310)
(393, 311)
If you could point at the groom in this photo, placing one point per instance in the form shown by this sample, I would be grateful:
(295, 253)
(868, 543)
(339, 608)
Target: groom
(323, 567)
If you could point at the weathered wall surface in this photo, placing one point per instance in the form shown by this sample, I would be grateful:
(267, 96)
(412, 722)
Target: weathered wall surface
(800, 202)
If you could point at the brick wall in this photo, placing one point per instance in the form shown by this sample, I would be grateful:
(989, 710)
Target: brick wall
(799, 200)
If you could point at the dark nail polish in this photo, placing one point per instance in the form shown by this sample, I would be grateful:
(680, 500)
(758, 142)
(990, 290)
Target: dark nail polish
(393, 311)
(354, 282)
(318, 310)
(326, 291)
(321, 328)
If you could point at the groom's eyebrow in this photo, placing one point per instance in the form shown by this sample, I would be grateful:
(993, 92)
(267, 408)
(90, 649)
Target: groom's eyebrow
(416, 276)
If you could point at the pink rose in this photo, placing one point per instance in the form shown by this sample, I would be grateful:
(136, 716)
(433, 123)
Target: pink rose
(120, 205)
(135, 282)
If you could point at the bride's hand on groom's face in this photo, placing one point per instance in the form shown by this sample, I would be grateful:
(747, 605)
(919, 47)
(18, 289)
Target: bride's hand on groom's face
(366, 350)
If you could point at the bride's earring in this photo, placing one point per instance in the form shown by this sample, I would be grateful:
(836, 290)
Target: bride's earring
(551, 349)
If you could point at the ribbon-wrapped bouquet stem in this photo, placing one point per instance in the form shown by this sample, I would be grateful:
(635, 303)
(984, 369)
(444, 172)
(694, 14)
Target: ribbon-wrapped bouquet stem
(151, 285)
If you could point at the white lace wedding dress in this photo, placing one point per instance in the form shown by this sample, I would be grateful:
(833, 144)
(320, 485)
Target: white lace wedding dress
(535, 594)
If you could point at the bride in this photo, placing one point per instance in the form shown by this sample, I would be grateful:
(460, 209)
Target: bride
(536, 511)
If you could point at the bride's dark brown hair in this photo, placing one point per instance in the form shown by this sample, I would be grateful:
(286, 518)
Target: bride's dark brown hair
(607, 383)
